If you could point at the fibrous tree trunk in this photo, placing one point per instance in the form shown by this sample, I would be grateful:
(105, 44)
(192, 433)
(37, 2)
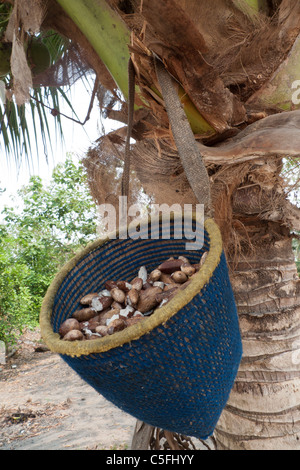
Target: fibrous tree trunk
(263, 412)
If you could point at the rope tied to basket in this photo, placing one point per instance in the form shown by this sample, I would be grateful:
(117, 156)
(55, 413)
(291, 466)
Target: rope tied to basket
(186, 144)
(131, 94)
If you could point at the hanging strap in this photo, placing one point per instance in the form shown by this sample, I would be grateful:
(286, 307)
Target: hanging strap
(186, 144)
(131, 93)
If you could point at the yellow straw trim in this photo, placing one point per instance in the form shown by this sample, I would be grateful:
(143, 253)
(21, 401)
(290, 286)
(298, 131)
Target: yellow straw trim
(134, 332)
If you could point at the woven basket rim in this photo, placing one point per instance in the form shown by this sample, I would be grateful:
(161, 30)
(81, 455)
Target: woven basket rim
(134, 332)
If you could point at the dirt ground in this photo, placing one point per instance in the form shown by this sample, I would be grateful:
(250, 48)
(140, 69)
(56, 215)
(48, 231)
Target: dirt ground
(45, 405)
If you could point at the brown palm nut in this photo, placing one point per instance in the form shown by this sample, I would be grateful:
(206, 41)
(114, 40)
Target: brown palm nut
(187, 269)
(167, 295)
(102, 330)
(170, 266)
(179, 277)
(184, 259)
(116, 305)
(171, 286)
(118, 295)
(101, 302)
(147, 300)
(116, 325)
(137, 283)
(93, 323)
(83, 325)
(73, 335)
(159, 284)
(133, 320)
(107, 315)
(155, 275)
(84, 314)
(132, 297)
(97, 317)
(87, 299)
(127, 312)
(146, 285)
(109, 285)
(68, 325)
(123, 285)
(166, 278)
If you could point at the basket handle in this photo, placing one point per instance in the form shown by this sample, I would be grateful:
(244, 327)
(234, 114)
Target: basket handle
(189, 153)
(190, 156)
(131, 94)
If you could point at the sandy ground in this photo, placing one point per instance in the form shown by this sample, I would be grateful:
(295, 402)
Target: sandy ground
(45, 405)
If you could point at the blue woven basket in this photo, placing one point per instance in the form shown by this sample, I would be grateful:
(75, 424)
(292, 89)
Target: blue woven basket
(174, 369)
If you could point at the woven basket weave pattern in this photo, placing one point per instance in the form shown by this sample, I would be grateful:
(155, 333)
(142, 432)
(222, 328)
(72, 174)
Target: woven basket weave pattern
(178, 375)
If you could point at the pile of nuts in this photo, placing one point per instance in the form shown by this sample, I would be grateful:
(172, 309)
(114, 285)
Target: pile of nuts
(121, 304)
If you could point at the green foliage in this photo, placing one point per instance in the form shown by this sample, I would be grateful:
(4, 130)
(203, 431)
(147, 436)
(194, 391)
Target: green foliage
(37, 238)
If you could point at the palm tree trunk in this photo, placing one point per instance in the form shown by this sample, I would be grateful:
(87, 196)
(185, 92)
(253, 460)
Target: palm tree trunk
(263, 411)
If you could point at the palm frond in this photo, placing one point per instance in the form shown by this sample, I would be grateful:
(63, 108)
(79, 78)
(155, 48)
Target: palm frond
(23, 126)
(56, 44)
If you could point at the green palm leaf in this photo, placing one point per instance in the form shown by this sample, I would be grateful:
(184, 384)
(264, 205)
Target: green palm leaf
(23, 126)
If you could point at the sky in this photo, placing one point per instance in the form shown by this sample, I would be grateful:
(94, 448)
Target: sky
(77, 139)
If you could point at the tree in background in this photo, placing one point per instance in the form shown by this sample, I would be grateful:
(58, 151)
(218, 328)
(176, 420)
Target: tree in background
(38, 234)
